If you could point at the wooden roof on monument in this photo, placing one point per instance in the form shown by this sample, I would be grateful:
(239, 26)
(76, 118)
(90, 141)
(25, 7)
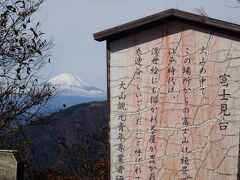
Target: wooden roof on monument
(166, 16)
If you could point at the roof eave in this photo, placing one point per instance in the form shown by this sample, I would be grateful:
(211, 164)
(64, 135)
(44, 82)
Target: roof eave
(159, 17)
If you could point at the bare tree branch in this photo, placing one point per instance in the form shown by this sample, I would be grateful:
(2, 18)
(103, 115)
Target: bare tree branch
(200, 11)
(23, 52)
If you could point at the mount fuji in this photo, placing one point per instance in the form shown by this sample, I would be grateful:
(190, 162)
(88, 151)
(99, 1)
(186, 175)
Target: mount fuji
(72, 90)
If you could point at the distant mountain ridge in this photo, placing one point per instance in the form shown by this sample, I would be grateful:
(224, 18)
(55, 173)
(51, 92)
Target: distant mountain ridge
(70, 84)
(72, 90)
(68, 138)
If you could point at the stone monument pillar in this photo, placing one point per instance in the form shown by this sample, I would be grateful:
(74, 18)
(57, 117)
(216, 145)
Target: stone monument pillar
(11, 167)
(173, 96)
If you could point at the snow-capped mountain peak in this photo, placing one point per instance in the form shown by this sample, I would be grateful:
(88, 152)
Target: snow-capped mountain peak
(69, 80)
(73, 85)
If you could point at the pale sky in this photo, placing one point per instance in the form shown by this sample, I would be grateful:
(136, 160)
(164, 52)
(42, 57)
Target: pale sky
(71, 23)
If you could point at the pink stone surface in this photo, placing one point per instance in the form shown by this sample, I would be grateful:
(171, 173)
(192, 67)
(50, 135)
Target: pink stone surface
(211, 153)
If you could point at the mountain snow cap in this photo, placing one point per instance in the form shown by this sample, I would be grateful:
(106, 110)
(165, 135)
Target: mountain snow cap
(72, 85)
(69, 80)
